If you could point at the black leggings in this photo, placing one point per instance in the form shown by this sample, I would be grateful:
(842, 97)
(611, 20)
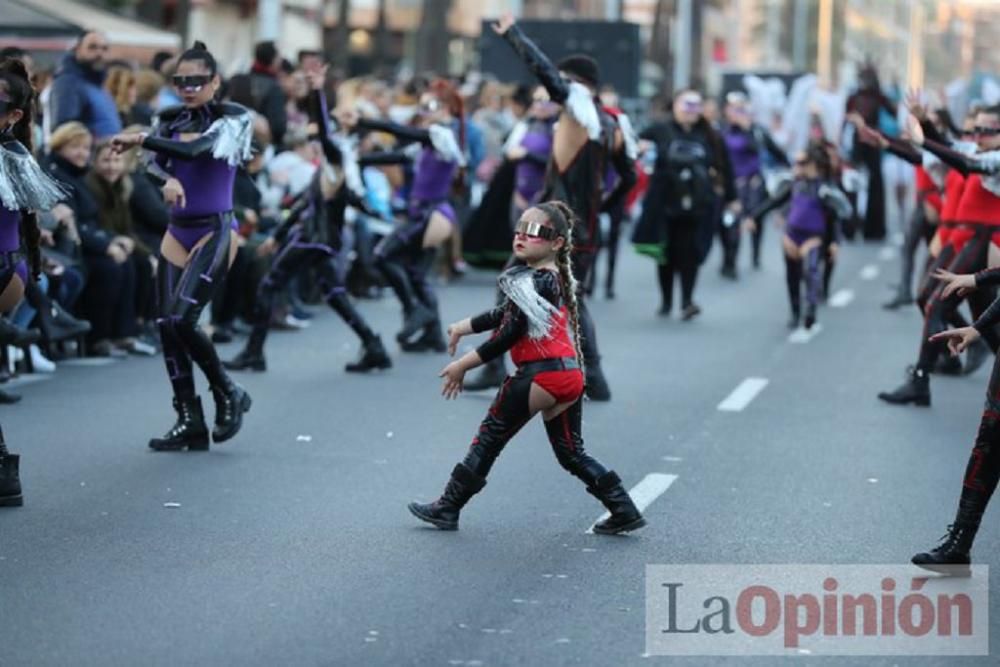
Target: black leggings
(405, 263)
(183, 294)
(683, 258)
(939, 311)
(509, 412)
(294, 259)
(983, 469)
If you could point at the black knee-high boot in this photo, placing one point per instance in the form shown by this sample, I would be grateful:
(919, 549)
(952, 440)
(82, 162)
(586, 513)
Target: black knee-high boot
(793, 279)
(373, 355)
(952, 556)
(10, 480)
(566, 437)
(444, 511)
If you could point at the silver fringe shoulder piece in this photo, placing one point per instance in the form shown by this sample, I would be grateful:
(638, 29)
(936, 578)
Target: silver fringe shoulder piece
(444, 142)
(965, 147)
(518, 285)
(349, 160)
(836, 201)
(580, 106)
(232, 135)
(24, 184)
(629, 136)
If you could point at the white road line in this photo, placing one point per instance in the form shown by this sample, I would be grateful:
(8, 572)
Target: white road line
(802, 335)
(743, 394)
(645, 492)
(87, 361)
(841, 298)
(869, 272)
(887, 253)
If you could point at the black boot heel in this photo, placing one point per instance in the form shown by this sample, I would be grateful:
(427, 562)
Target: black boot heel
(230, 404)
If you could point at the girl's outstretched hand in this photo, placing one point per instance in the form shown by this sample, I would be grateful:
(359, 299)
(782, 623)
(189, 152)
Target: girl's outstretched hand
(957, 339)
(454, 377)
(954, 282)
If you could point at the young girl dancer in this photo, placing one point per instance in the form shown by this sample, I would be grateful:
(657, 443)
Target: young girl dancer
(198, 146)
(952, 555)
(24, 189)
(406, 255)
(815, 206)
(540, 299)
(312, 236)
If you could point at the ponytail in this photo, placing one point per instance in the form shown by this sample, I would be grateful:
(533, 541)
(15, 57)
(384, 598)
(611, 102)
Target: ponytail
(562, 219)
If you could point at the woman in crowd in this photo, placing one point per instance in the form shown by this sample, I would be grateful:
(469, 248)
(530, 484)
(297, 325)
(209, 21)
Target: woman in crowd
(113, 189)
(108, 297)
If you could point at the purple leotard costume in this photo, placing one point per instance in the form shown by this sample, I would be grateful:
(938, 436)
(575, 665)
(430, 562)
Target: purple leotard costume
(806, 215)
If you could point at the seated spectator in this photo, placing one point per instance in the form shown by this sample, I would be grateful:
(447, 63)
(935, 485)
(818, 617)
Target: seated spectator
(108, 299)
(112, 188)
(120, 84)
(148, 85)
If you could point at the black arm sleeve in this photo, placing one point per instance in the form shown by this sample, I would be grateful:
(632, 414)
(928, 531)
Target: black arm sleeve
(404, 133)
(319, 114)
(778, 199)
(988, 277)
(182, 150)
(487, 321)
(989, 318)
(905, 150)
(383, 158)
(538, 63)
(957, 161)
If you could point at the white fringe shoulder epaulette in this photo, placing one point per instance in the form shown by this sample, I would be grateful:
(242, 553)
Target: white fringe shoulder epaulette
(444, 142)
(233, 134)
(580, 106)
(518, 285)
(836, 200)
(990, 161)
(24, 185)
(629, 136)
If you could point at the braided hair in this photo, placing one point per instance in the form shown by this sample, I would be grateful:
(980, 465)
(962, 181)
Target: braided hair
(561, 217)
(22, 96)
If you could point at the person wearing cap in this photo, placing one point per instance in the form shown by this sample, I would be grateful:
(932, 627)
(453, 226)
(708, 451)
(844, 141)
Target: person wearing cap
(586, 140)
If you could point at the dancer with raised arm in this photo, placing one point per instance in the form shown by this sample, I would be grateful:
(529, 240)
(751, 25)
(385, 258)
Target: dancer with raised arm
(586, 140)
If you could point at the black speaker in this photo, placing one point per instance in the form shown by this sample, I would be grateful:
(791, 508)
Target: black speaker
(614, 45)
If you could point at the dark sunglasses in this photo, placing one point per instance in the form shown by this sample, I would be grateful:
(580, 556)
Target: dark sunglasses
(535, 230)
(192, 82)
(986, 131)
(98, 47)
(801, 163)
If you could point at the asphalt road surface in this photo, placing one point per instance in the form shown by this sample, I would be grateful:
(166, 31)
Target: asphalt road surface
(292, 545)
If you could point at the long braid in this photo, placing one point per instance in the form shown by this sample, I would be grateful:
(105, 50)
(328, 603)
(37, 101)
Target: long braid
(561, 216)
(14, 71)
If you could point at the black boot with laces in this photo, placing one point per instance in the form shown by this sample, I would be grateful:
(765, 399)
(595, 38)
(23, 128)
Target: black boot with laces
(189, 432)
